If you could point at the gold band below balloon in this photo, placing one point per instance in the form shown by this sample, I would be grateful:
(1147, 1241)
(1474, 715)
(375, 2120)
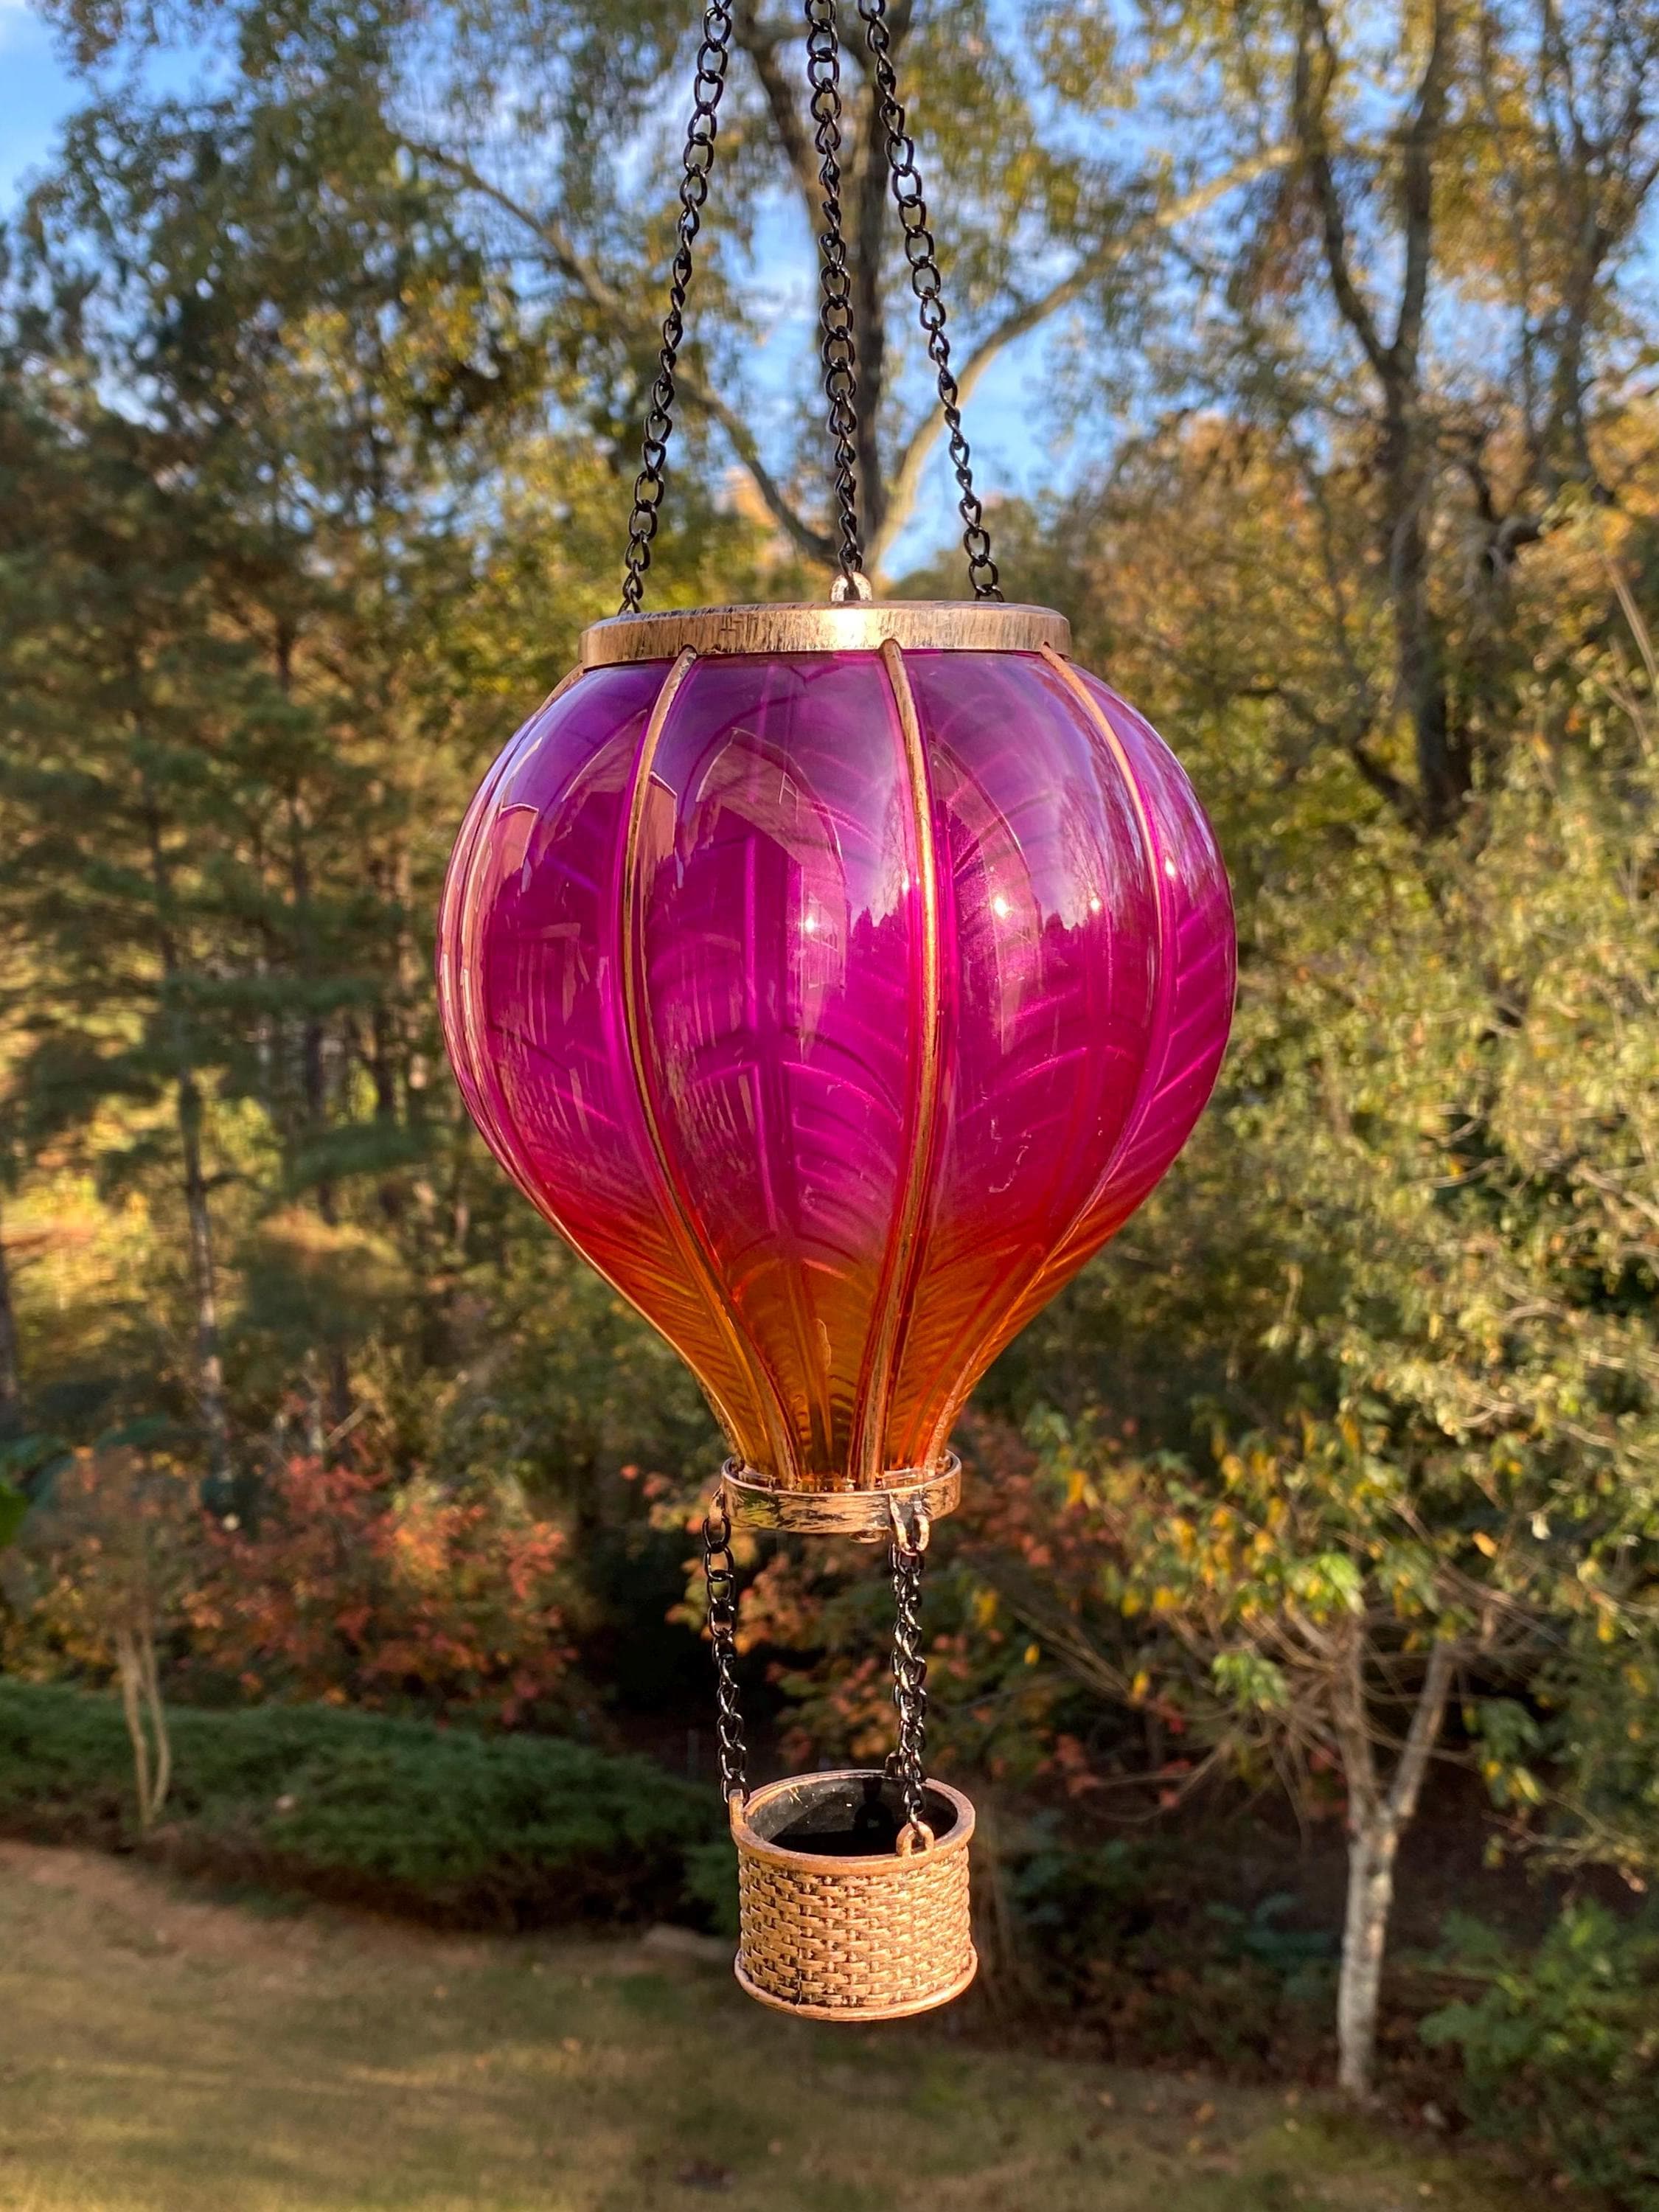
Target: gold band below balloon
(854, 626)
(865, 1514)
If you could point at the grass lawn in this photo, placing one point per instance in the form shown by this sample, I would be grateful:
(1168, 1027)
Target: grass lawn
(161, 2051)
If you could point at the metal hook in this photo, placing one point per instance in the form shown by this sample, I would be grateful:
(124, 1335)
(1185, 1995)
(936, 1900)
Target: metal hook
(914, 1540)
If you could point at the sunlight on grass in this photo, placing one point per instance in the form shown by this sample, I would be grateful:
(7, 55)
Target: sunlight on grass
(163, 2053)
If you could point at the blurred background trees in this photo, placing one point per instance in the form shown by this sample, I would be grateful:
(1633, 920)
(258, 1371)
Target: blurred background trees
(319, 393)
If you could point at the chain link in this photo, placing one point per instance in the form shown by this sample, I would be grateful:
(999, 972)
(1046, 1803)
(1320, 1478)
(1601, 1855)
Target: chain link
(905, 1765)
(713, 55)
(921, 253)
(840, 358)
(720, 1581)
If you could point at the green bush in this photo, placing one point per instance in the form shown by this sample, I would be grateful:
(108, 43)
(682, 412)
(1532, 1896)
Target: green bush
(1560, 2050)
(470, 1829)
(1139, 1943)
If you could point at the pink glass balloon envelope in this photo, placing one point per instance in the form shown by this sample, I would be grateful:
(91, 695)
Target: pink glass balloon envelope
(838, 1006)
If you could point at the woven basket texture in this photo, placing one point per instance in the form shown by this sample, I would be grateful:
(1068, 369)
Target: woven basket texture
(859, 1937)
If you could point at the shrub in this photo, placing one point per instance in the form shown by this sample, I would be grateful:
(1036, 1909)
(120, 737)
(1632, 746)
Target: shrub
(450, 1825)
(1141, 1948)
(1560, 2050)
(359, 1591)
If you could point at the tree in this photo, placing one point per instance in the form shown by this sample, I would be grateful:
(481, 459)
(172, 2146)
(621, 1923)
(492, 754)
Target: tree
(1425, 313)
(1398, 1439)
(262, 632)
(109, 1548)
(542, 120)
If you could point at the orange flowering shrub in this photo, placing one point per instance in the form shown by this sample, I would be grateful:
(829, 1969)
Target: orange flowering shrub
(355, 1591)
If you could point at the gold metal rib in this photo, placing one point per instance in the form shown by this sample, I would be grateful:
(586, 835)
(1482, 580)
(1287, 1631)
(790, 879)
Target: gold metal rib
(876, 1384)
(630, 920)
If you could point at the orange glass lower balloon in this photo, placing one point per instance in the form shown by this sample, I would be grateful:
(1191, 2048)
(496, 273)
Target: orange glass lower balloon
(838, 1006)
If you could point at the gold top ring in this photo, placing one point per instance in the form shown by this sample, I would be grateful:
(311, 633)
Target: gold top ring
(851, 626)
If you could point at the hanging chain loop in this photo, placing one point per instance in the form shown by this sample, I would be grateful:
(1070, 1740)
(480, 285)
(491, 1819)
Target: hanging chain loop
(720, 1581)
(840, 358)
(921, 255)
(713, 55)
(905, 1764)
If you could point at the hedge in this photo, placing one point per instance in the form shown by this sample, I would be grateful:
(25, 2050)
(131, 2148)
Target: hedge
(461, 1828)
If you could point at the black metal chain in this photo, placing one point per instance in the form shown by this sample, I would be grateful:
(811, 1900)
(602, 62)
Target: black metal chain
(905, 1559)
(713, 55)
(721, 1580)
(840, 359)
(921, 253)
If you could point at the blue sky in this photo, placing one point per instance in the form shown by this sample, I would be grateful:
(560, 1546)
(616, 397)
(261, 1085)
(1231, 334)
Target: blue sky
(1010, 427)
(35, 92)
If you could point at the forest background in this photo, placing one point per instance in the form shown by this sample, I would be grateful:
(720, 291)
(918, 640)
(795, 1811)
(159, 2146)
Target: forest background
(1325, 1504)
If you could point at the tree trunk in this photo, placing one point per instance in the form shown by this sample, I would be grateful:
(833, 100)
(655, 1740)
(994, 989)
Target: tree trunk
(126, 1661)
(187, 1097)
(316, 1427)
(1372, 1848)
(1377, 1818)
(871, 214)
(146, 1717)
(209, 1361)
(11, 1371)
(313, 1047)
(151, 1679)
(1444, 768)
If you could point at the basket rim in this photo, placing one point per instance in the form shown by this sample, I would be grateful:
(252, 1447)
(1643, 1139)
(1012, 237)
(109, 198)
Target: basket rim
(748, 1839)
(854, 2015)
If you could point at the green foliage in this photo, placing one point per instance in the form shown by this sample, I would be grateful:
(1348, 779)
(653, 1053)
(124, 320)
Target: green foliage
(1161, 1962)
(452, 1825)
(1560, 2050)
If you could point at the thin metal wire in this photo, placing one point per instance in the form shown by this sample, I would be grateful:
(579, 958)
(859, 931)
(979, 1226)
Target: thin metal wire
(720, 1581)
(907, 1551)
(921, 253)
(839, 357)
(712, 58)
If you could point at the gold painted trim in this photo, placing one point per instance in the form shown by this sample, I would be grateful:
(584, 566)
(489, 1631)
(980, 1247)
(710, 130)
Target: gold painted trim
(1091, 709)
(1067, 674)
(855, 626)
(876, 1384)
(865, 1514)
(766, 1401)
(538, 1198)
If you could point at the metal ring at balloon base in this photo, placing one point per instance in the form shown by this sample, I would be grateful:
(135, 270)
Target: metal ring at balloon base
(866, 1515)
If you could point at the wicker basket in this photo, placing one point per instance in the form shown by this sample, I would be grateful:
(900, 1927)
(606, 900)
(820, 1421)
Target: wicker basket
(841, 1918)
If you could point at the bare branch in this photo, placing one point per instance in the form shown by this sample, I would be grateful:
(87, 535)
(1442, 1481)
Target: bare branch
(1428, 1715)
(561, 250)
(1422, 140)
(869, 174)
(1352, 1726)
(1308, 112)
(761, 42)
(1029, 314)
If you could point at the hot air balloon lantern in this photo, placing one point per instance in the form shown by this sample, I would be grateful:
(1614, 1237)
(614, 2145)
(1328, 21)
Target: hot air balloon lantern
(836, 978)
